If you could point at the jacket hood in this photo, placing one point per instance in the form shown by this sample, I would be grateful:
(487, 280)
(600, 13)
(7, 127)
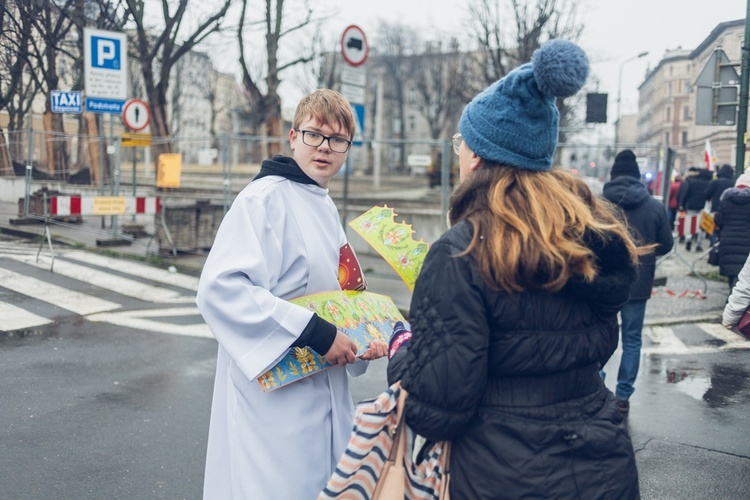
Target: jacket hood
(626, 192)
(725, 171)
(742, 194)
(286, 167)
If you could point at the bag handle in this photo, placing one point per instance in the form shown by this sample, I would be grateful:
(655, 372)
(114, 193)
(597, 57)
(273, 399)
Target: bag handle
(399, 438)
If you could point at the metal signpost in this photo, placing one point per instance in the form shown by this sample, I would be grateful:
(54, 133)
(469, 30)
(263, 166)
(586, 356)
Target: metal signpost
(355, 50)
(136, 116)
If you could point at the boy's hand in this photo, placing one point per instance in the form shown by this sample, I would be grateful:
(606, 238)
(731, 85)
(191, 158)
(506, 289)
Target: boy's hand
(343, 350)
(375, 350)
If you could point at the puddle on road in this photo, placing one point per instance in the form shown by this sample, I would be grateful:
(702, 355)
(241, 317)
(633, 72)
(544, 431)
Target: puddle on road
(717, 384)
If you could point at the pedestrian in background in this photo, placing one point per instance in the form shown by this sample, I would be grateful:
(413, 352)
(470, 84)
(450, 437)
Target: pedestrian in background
(691, 200)
(723, 181)
(733, 220)
(516, 307)
(672, 204)
(649, 225)
(739, 298)
(281, 239)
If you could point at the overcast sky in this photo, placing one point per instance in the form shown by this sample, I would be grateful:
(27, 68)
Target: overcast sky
(615, 30)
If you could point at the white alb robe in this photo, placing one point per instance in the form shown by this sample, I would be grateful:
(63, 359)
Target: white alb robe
(279, 240)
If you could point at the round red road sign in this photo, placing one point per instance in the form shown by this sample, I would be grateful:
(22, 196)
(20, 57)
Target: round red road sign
(354, 46)
(136, 115)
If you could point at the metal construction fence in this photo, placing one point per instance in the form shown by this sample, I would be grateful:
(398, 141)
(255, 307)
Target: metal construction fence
(417, 175)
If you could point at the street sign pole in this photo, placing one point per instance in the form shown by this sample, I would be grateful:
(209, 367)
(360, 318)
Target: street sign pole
(354, 50)
(742, 114)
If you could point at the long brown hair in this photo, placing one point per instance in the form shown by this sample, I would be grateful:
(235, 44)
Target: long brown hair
(529, 226)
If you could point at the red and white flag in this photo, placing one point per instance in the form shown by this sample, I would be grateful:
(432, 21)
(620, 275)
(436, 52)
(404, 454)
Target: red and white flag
(708, 156)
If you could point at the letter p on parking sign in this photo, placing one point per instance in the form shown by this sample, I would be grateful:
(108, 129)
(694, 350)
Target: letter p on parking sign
(106, 52)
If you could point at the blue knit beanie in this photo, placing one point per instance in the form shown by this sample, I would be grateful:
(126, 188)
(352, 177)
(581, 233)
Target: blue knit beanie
(515, 120)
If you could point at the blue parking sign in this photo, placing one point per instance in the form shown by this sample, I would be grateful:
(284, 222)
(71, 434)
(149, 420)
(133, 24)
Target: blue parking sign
(105, 70)
(106, 53)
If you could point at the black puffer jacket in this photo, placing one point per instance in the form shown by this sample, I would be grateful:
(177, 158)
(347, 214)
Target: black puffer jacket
(512, 379)
(733, 220)
(648, 224)
(690, 196)
(724, 180)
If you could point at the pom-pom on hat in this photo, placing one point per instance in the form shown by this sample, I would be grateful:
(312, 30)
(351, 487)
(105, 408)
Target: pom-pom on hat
(743, 180)
(515, 120)
(625, 164)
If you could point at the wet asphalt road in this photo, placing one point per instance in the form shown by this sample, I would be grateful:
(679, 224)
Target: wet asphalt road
(92, 410)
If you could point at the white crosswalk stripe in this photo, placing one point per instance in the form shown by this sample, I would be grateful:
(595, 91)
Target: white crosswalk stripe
(106, 280)
(136, 269)
(71, 300)
(14, 318)
(125, 278)
(142, 320)
(666, 341)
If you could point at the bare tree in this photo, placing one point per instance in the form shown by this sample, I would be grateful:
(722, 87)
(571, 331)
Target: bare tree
(438, 79)
(264, 99)
(159, 47)
(49, 44)
(507, 36)
(15, 90)
(397, 43)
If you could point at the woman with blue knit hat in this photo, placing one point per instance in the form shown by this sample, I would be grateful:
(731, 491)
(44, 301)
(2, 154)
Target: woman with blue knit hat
(515, 308)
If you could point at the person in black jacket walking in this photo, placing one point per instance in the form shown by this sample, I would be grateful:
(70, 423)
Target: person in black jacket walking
(649, 225)
(691, 198)
(516, 307)
(724, 180)
(733, 220)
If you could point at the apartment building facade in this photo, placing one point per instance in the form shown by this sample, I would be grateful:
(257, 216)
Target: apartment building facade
(667, 101)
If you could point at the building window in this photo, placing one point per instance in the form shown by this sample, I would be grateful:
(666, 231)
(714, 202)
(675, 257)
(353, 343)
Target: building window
(412, 123)
(666, 138)
(669, 114)
(688, 87)
(411, 96)
(684, 139)
(685, 113)
(669, 88)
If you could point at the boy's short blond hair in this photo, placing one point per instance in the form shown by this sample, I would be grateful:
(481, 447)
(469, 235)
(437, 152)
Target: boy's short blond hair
(326, 106)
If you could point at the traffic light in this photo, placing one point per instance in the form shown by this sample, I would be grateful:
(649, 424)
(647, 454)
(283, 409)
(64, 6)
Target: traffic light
(596, 108)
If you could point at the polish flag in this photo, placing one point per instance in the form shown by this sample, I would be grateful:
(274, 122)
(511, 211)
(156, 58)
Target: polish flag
(708, 156)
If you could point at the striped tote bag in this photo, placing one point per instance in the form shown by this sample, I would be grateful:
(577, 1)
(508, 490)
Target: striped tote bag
(386, 460)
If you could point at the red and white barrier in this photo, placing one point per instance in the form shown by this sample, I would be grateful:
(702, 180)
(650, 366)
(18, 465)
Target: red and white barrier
(688, 224)
(104, 205)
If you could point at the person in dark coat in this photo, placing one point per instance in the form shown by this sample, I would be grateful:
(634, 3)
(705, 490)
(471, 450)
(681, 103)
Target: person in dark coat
(515, 308)
(724, 180)
(691, 198)
(733, 220)
(649, 225)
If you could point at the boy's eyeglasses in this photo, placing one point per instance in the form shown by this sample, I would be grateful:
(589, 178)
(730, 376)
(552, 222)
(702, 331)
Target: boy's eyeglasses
(314, 139)
(457, 140)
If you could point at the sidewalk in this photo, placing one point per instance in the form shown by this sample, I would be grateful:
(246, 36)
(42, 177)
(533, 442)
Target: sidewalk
(684, 298)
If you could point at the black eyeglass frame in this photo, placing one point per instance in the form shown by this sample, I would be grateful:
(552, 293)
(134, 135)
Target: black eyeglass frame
(323, 139)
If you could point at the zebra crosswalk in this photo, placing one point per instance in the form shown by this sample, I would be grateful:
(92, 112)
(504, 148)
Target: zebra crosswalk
(98, 287)
(136, 295)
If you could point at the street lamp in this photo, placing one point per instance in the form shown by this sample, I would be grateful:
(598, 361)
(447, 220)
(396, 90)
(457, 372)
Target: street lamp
(619, 94)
